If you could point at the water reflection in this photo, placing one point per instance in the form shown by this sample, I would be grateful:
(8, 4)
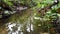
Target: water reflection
(33, 25)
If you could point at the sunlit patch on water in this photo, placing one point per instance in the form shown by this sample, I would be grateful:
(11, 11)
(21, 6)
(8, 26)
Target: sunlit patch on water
(28, 27)
(14, 28)
(17, 28)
